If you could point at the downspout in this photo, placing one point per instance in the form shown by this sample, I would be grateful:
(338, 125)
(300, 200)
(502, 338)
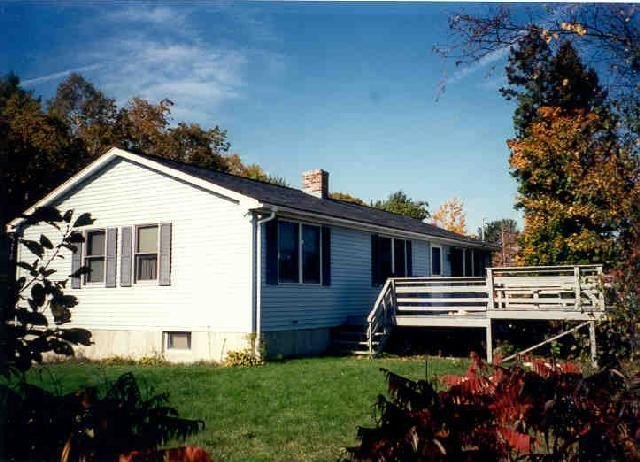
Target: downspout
(257, 277)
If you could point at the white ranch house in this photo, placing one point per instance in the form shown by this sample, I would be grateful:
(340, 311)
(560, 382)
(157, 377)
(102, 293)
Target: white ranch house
(188, 263)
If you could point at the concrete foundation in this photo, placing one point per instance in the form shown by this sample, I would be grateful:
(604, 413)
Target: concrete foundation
(303, 342)
(205, 346)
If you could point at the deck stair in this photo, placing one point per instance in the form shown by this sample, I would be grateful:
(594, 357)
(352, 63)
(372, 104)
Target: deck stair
(351, 339)
(572, 293)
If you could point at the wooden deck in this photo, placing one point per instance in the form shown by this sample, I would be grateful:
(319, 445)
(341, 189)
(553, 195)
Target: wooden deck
(572, 293)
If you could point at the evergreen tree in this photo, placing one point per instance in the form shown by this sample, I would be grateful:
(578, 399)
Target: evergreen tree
(537, 78)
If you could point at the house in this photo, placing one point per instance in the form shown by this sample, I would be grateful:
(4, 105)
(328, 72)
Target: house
(190, 263)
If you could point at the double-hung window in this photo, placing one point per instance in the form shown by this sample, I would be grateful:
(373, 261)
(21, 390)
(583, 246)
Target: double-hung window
(436, 261)
(146, 254)
(299, 253)
(95, 256)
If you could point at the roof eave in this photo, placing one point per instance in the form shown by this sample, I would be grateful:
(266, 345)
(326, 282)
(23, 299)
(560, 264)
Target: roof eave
(372, 227)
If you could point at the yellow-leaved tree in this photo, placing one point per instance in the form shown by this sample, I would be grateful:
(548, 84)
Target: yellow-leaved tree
(577, 187)
(451, 216)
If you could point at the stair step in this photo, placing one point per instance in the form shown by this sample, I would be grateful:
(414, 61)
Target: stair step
(351, 342)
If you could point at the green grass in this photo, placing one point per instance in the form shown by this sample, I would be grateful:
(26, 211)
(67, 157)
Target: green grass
(303, 410)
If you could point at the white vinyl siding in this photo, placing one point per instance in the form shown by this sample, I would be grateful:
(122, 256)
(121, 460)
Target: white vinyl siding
(210, 256)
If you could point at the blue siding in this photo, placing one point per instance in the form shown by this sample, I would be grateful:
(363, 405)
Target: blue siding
(300, 306)
(421, 263)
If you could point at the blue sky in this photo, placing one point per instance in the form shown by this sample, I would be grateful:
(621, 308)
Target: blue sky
(351, 88)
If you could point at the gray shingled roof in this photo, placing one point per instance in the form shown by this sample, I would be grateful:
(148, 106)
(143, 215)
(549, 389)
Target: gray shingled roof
(296, 199)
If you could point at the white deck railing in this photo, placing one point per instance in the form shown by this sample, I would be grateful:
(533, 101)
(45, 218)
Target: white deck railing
(524, 290)
(565, 288)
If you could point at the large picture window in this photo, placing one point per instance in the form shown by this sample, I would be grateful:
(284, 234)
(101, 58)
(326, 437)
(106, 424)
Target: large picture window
(299, 253)
(436, 261)
(390, 257)
(146, 255)
(288, 252)
(310, 254)
(468, 262)
(94, 256)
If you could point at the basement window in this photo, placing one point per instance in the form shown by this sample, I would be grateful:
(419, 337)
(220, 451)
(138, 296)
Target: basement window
(178, 340)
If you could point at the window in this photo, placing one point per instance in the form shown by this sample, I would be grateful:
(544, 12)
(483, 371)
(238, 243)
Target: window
(288, 252)
(94, 256)
(299, 254)
(310, 254)
(436, 261)
(468, 262)
(390, 257)
(179, 340)
(146, 255)
(399, 257)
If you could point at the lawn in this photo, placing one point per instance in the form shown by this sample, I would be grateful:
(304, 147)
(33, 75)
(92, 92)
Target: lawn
(305, 409)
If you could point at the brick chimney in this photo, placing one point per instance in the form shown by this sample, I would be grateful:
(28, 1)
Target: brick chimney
(316, 183)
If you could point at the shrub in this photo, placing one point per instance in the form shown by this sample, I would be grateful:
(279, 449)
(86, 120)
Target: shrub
(89, 425)
(243, 358)
(540, 412)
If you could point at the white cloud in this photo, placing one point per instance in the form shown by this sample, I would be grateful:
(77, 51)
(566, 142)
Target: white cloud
(159, 15)
(198, 78)
(164, 51)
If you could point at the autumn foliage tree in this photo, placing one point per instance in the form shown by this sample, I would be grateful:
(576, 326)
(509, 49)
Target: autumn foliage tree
(451, 216)
(576, 187)
(47, 142)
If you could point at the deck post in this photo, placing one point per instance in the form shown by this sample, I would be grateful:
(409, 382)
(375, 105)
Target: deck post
(489, 342)
(576, 277)
(490, 303)
(592, 343)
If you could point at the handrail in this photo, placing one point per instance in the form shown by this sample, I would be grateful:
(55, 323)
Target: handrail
(375, 322)
(378, 300)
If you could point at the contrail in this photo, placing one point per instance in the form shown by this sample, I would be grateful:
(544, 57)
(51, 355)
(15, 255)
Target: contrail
(57, 75)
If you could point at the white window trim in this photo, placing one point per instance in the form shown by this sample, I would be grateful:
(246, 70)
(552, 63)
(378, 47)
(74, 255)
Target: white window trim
(300, 257)
(441, 260)
(85, 282)
(135, 255)
(167, 346)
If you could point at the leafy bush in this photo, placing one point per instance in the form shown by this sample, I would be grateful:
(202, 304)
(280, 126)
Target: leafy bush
(540, 412)
(243, 358)
(87, 425)
(29, 333)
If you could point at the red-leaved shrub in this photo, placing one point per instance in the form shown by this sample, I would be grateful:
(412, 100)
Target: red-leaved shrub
(531, 411)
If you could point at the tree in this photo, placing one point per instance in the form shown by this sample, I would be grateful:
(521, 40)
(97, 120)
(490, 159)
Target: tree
(37, 153)
(451, 216)
(88, 114)
(44, 148)
(401, 204)
(505, 233)
(577, 187)
(345, 197)
(235, 166)
(607, 36)
(537, 77)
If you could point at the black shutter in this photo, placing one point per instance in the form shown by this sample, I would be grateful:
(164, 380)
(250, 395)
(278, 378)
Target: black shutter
(271, 235)
(76, 264)
(164, 273)
(326, 256)
(409, 259)
(110, 264)
(375, 264)
(125, 257)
